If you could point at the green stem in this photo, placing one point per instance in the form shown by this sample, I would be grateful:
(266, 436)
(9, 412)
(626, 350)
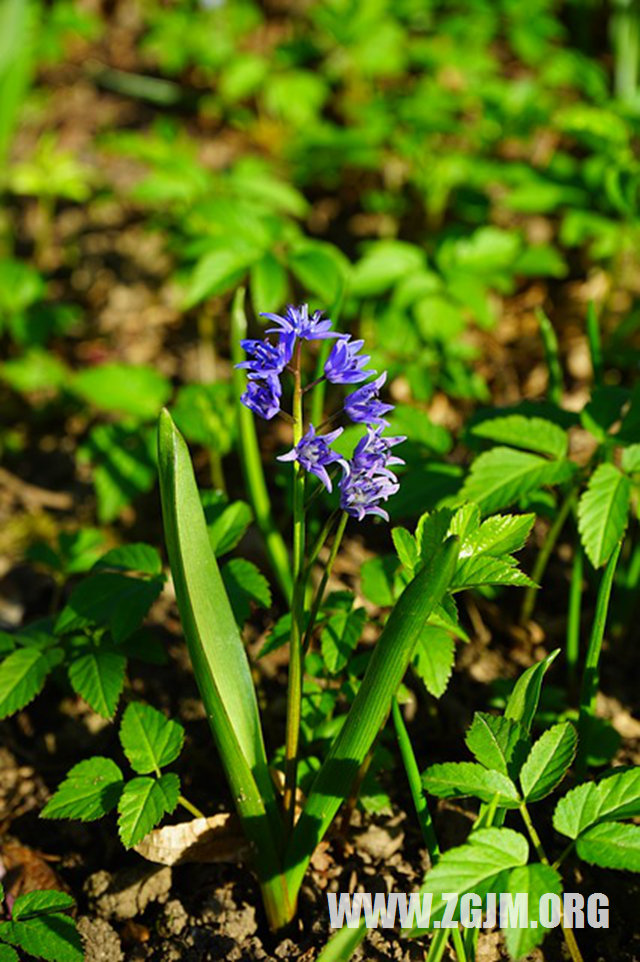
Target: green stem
(544, 554)
(252, 463)
(595, 343)
(415, 783)
(190, 808)
(319, 542)
(591, 675)
(458, 945)
(322, 587)
(569, 937)
(552, 354)
(294, 689)
(573, 618)
(438, 945)
(563, 855)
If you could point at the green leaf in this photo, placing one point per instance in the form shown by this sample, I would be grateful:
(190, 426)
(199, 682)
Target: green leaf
(90, 790)
(132, 557)
(548, 761)
(384, 263)
(603, 512)
(149, 740)
(500, 534)
(532, 434)
(433, 659)
(52, 937)
(615, 797)
(407, 548)
(536, 880)
(226, 523)
(268, 284)
(219, 658)
(321, 268)
(498, 742)
(244, 584)
(131, 389)
(465, 779)
(37, 370)
(502, 476)
(486, 570)
(98, 676)
(340, 636)
(38, 903)
(218, 271)
(206, 415)
(123, 466)
(524, 698)
(7, 954)
(22, 677)
(478, 866)
(631, 459)
(611, 845)
(385, 670)
(143, 803)
(377, 580)
(113, 600)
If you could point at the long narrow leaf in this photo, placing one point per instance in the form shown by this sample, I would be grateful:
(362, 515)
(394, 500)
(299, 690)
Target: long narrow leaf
(370, 708)
(219, 660)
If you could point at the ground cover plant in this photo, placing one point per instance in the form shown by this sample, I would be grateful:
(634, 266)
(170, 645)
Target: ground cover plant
(319, 481)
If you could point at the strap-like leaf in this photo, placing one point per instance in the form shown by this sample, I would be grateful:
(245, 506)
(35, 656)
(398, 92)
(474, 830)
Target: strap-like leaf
(371, 706)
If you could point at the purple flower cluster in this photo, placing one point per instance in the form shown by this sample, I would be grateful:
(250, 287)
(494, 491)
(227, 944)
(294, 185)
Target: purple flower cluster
(367, 480)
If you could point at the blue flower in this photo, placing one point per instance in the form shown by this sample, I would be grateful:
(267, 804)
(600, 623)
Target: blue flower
(263, 397)
(343, 365)
(364, 407)
(297, 321)
(361, 492)
(268, 359)
(314, 454)
(373, 451)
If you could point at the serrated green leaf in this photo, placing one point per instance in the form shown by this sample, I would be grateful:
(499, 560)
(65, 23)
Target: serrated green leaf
(498, 742)
(90, 790)
(548, 761)
(615, 797)
(603, 512)
(478, 866)
(22, 676)
(501, 476)
(52, 937)
(536, 880)
(245, 584)
(149, 740)
(218, 271)
(502, 534)
(532, 434)
(113, 600)
(132, 557)
(41, 902)
(631, 459)
(226, 524)
(405, 545)
(465, 779)
(123, 465)
(143, 803)
(433, 659)
(486, 570)
(98, 676)
(431, 529)
(340, 636)
(611, 845)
